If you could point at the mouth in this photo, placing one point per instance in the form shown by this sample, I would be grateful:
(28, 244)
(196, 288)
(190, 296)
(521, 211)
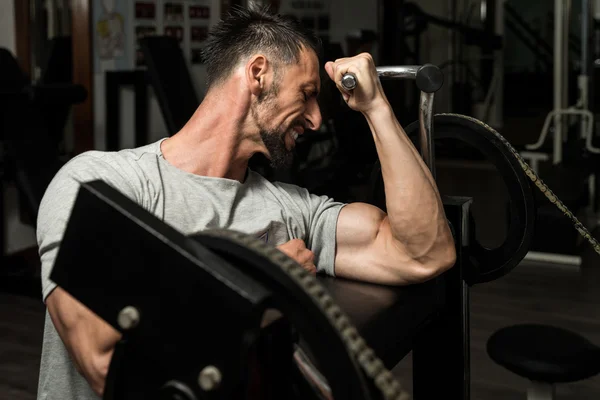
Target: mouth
(297, 131)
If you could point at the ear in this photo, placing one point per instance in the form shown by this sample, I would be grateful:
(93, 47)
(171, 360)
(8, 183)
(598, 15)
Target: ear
(256, 73)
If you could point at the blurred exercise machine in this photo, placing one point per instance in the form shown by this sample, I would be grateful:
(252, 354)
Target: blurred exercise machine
(170, 78)
(32, 123)
(572, 153)
(403, 24)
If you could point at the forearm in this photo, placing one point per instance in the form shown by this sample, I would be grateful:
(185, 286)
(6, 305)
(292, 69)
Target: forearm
(89, 340)
(414, 207)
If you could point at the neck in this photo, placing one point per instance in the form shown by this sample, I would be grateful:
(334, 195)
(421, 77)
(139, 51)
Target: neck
(215, 142)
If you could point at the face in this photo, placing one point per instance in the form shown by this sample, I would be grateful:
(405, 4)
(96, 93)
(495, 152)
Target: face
(289, 107)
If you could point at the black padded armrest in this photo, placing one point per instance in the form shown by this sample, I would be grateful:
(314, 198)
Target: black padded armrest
(388, 318)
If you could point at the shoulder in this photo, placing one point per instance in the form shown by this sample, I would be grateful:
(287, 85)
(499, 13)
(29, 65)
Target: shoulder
(92, 165)
(120, 168)
(292, 194)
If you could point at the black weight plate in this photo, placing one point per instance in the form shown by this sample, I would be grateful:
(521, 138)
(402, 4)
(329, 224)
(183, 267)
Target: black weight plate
(252, 256)
(486, 264)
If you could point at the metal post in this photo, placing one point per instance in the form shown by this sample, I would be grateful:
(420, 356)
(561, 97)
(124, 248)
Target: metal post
(441, 353)
(583, 79)
(425, 108)
(433, 83)
(540, 391)
(558, 79)
(426, 131)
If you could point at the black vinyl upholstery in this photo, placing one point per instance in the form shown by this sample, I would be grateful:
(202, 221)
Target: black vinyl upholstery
(544, 353)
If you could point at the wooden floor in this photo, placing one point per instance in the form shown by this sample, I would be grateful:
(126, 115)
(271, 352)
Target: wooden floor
(531, 293)
(21, 328)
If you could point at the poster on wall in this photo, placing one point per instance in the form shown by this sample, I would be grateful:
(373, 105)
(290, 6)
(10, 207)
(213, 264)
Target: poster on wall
(312, 14)
(173, 13)
(119, 25)
(142, 31)
(199, 12)
(145, 10)
(145, 25)
(198, 34)
(110, 32)
(174, 31)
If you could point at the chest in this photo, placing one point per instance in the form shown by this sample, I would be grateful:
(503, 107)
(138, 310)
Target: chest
(194, 208)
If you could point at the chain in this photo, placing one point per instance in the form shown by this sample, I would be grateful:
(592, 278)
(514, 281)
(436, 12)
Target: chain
(583, 231)
(371, 365)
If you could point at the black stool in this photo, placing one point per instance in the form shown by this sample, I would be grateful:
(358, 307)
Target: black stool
(545, 355)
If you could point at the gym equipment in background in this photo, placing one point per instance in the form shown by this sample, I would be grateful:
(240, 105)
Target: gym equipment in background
(32, 123)
(403, 24)
(573, 159)
(170, 77)
(545, 355)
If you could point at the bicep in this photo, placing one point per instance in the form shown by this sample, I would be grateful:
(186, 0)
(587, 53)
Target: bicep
(89, 339)
(366, 249)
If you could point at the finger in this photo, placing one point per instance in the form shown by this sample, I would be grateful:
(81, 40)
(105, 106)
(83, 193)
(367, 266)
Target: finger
(329, 69)
(338, 72)
(298, 243)
(341, 60)
(310, 268)
(307, 257)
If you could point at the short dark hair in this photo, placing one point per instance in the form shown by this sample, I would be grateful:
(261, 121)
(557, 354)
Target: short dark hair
(246, 31)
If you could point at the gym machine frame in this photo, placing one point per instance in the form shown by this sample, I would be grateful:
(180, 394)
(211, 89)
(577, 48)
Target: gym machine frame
(115, 280)
(441, 358)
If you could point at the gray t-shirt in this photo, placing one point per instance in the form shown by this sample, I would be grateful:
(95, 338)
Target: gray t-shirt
(275, 212)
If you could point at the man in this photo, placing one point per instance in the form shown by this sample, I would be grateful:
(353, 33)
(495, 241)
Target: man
(263, 82)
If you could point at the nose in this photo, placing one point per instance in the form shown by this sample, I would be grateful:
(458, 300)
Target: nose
(313, 115)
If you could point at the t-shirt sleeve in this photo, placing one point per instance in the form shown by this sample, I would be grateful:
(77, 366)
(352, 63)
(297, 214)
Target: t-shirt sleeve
(58, 201)
(319, 216)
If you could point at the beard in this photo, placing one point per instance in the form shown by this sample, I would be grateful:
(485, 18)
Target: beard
(274, 139)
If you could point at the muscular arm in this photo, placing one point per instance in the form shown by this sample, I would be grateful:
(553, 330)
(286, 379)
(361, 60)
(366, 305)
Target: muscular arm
(89, 340)
(412, 242)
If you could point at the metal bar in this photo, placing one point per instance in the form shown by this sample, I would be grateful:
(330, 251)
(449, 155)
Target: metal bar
(558, 80)
(426, 130)
(398, 72)
(553, 258)
(585, 35)
(425, 110)
(567, 111)
(566, 69)
(583, 79)
(540, 391)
